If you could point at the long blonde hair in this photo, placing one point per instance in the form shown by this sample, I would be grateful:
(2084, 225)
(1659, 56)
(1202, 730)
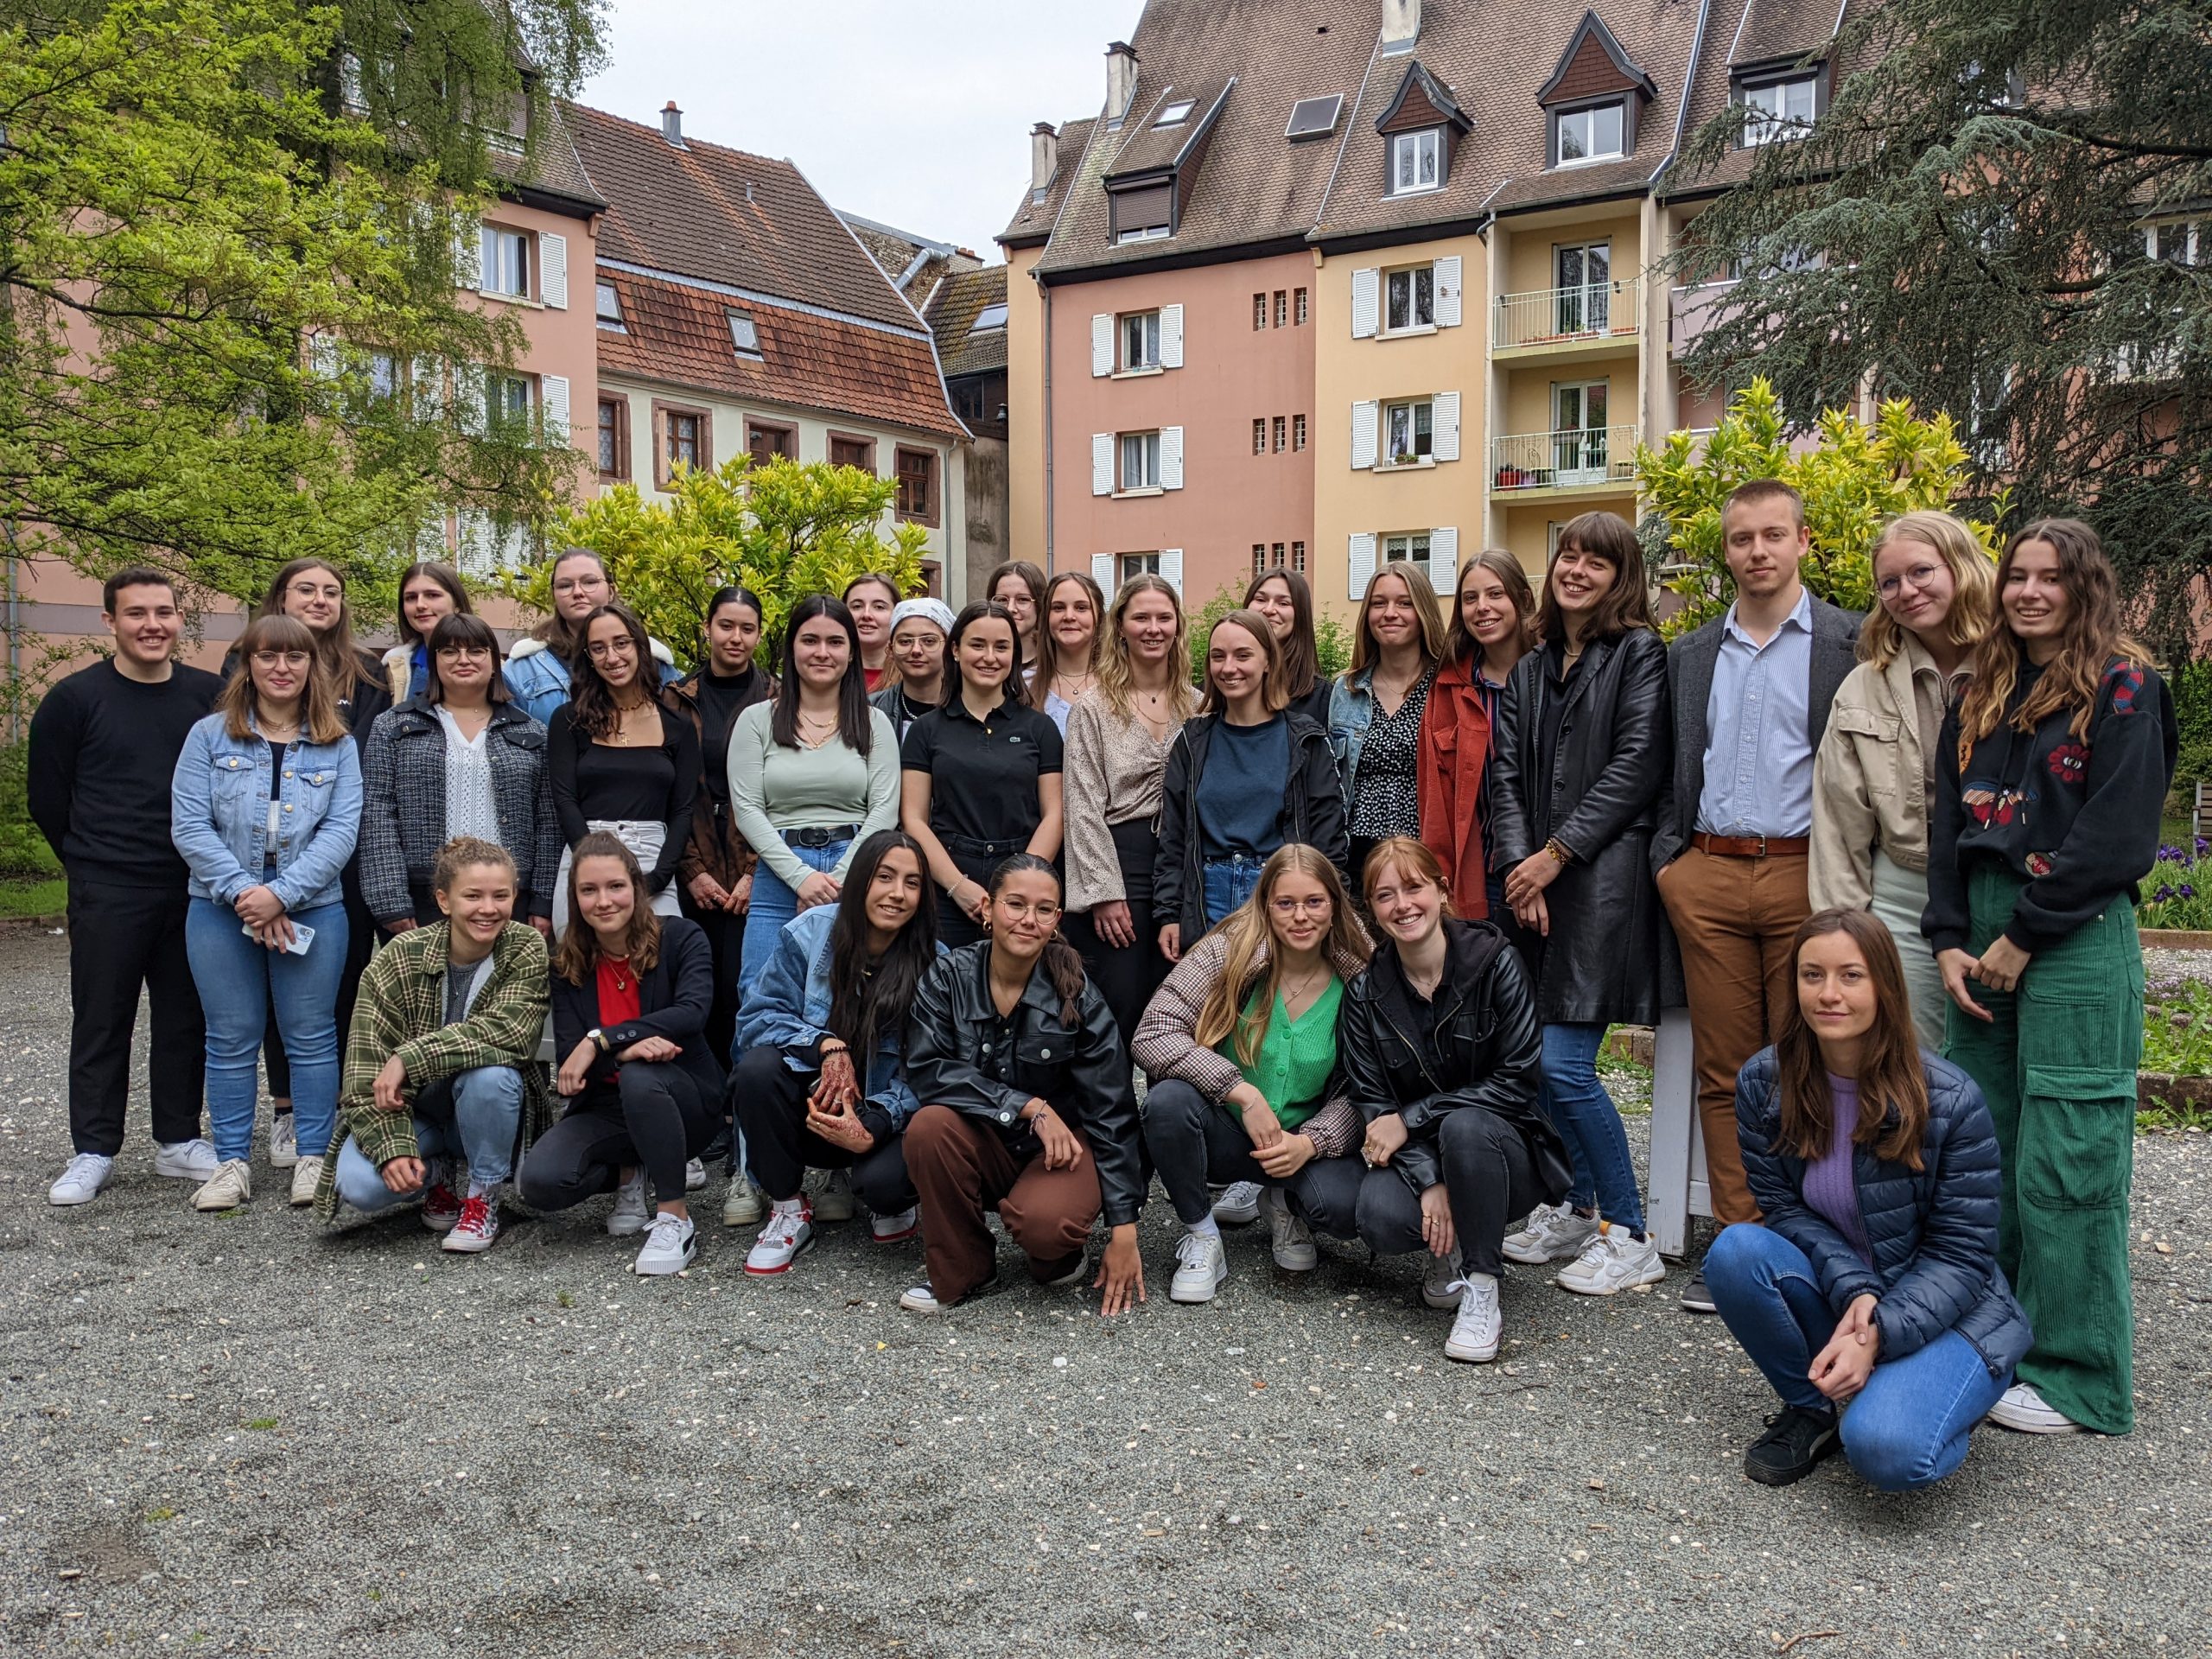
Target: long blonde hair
(320, 720)
(1048, 652)
(1365, 652)
(1974, 585)
(1114, 651)
(1252, 966)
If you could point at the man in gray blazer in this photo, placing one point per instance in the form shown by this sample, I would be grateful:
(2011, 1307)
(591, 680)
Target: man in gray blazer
(1751, 692)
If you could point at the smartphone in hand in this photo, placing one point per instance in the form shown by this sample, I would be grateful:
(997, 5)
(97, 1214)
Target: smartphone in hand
(303, 937)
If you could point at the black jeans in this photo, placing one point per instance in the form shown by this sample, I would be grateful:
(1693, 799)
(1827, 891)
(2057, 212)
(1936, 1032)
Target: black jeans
(119, 939)
(1489, 1177)
(780, 1148)
(726, 939)
(1195, 1143)
(656, 1114)
(1126, 976)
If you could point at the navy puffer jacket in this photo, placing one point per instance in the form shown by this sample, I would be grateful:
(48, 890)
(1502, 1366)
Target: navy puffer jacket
(1933, 1232)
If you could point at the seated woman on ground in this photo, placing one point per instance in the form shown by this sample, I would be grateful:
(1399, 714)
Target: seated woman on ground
(839, 985)
(1871, 1297)
(1440, 1049)
(1030, 1109)
(633, 991)
(1241, 1045)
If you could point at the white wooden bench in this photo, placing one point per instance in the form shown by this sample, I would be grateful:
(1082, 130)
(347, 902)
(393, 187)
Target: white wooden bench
(1678, 1186)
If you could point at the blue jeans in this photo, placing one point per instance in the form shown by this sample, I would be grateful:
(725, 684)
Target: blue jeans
(239, 981)
(1590, 1123)
(774, 904)
(1908, 1427)
(1228, 882)
(475, 1117)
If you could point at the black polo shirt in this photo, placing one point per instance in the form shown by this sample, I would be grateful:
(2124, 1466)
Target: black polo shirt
(984, 774)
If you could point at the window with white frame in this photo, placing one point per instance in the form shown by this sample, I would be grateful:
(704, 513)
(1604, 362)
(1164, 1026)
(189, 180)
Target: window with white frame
(609, 306)
(744, 334)
(1140, 340)
(1400, 550)
(1408, 432)
(1409, 299)
(506, 398)
(1591, 135)
(1140, 564)
(1139, 461)
(505, 263)
(1780, 109)
(1416, 160)
(2182, 243)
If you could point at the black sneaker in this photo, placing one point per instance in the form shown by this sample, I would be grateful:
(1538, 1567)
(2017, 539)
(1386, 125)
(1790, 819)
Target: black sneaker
(1696, 1298)
(1793, 1446)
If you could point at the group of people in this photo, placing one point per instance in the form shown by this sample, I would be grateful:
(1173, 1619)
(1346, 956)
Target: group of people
(916, 909)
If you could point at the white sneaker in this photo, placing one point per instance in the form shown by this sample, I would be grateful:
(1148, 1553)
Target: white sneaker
(891, 1229)
(834, 1201)
(1239, 1203)
(283, 1141)
(1553, 1232)
(81, 1182)
(1293, 1238)
(670, 1247)
(478, 1229)
(2023, 1410)
(695, 1175)
(629, 1216)
(1439, 1285)
(1074, 1275)
(1612, 1261)
(1475, 1328)
(920, 1299)
(741, 1205)
(307, 1175)
(230, 1185)
(790, 1229)
(1205, 1264)
(185, 1160)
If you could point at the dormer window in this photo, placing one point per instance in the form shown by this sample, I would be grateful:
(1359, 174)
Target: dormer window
(1421, 125)
(1589, 134)
(1777, 110)
(1414, 158)
(609, 306)
(1144, 214)
(744, 335)
(990, 317)
(1176, 113)
(1594, 98)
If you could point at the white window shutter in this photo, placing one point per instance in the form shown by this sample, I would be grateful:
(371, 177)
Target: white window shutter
(553, 402)
(1360, 565)
(553, 271)
(430, 389)
(322, 356)
(1171, 457)
(474, 542)
(1171, 336)
(1364, 416)
(1102, 344)
(1102, 572)
(1444, 558)
(468, 390)
(468, 254)
(1171, 568)
(1101, 463)
(1444, 427)
(1447, 292)
(1366, 307)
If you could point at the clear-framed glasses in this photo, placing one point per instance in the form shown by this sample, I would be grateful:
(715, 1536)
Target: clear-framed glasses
(1918, 577)
(1044, 910)
(280, 659)
(1313, 905)
(599, 649)
(461, 653)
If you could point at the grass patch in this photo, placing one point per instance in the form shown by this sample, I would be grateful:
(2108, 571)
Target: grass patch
(30, 896)
(164, 1513)
(563, 1298)
(263, 1423)
(2163, 1117)
(2177, 1028)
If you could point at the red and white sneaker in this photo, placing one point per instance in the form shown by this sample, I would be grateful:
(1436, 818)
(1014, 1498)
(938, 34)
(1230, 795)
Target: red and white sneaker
(790, 1229)
(442, 1205)
(478, 1226)
(890, 1229)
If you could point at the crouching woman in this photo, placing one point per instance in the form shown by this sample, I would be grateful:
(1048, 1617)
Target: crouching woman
(1030, 1109)
(442, 1081)
(1871, 1297)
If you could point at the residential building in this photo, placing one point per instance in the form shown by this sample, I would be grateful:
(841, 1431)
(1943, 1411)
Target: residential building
(967, 313)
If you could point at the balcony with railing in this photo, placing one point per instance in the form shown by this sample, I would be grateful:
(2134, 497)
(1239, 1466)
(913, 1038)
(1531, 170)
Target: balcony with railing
(1580, 460)
(1566, 324)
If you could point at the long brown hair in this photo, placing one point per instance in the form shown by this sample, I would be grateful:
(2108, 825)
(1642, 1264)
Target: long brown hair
(1365, 652)
(1301, 656)
(578, 957)
(1627, 604)
(1063, 967)
(1974, 585)
(1273, 696)
(320, 720)
(1114, 650)
(2091, 642)
(448, 578)
(1242, 1000)
(336, 660)
(1892, 1085)
(589, 691)
(1460, 644)
(1048, 654)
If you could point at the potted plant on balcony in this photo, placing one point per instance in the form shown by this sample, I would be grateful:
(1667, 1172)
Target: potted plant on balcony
(1404, 458)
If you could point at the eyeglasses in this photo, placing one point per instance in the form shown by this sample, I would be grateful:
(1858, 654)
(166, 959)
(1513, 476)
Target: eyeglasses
(277, 658)
(580, 584)
(599, 649)
(1044, 910)
(1919, 576)
(1316, 904)
(459, 651)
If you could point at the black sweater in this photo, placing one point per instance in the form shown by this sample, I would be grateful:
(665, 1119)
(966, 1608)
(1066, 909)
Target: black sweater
(600, 782)
(2080, 820)
(104, 749)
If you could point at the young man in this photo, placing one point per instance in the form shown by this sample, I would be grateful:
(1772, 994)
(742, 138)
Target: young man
(1751, 692)
(442, 1069)
(104, 746)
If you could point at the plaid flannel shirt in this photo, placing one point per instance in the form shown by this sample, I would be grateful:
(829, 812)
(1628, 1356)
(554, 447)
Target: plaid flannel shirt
(401, 1011)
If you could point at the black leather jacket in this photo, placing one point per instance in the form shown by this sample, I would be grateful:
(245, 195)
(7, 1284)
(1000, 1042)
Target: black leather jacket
(1488, 1046)
(956, 1058)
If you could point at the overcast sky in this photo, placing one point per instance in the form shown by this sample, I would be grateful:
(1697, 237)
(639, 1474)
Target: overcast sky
(916, 115)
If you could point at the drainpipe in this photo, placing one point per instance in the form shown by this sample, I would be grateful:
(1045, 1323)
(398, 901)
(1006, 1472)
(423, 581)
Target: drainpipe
(1044, 295)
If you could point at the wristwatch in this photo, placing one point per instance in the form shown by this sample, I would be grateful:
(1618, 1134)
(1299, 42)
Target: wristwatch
(597, 1038)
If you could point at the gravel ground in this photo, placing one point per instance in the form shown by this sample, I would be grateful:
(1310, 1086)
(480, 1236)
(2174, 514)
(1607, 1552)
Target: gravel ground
(238, 1433)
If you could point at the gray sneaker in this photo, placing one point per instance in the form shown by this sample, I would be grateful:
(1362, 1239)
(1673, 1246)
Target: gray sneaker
(1238, 1202)
(230, 1185)
(834, 1201)
(742, 1205)
(283, 1141)
(668, 1247)
(630, 1215)
(185, 1160)
(1293, 1239)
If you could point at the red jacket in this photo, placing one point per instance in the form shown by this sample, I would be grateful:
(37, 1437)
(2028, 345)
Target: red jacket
(1455, 757)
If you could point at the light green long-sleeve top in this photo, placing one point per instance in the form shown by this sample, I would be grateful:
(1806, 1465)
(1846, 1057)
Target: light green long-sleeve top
(774, 789)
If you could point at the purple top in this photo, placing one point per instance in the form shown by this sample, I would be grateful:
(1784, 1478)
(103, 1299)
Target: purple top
(1830, 1191)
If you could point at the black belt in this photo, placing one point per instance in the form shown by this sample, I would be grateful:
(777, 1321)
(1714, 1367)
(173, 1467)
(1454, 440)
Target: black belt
(973, 849)
(820, 838)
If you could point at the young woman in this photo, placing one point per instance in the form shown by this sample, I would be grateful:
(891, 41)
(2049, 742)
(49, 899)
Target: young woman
(1243, 778)
(982, 774)
(810, 774)
(1874, 772)
(1439, 1043)
(1375, 712)
(429, 591)
(1241, 1047)
(920, 628)
(871, 598)
(715, 875)
(1020, 587)
(2051, 775)
(839, 985)
(460, 759)
(1028, 1107)
(632, 993)
(540, 668)
(1073, 606)
(1584, 746)
(1116, 761)
(1493, 627)
(1869, 1293)
(622, 760)
(1285, 599)
(266, 807)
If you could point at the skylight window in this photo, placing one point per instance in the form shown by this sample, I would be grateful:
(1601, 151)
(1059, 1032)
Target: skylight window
(744, 335)
(1314, 118)
(1176, 113)
(990, 317)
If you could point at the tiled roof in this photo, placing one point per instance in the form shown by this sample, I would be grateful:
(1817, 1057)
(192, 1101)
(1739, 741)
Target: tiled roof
(921, 260)
(1033, 220)
(1784, 29)
(952, 312)
(1764, 23)
(553, 168)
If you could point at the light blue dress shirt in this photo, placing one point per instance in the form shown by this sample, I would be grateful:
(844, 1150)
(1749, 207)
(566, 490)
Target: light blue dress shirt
(1758, 723)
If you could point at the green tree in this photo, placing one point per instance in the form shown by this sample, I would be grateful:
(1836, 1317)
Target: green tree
(785, 530)
(1973, 225)
(1855, 478)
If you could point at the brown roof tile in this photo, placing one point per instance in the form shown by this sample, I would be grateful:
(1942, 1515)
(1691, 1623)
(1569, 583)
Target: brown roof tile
(552, 168)
(1783, 30)
(1766, 24)
(952, 312)
(1033, 220)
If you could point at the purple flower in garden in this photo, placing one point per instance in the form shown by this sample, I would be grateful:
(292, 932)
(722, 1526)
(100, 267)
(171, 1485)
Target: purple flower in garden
(2163, 893)
(2203, 845)
(2188, 891)
(2168, 854)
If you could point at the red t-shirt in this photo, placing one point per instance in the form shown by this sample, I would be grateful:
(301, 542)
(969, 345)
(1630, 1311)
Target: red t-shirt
(874, 676)
(618, 996)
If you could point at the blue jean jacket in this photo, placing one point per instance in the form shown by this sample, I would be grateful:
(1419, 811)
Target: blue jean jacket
(789, 1008)
(1352, 711)
(538, 679)
(218, 815)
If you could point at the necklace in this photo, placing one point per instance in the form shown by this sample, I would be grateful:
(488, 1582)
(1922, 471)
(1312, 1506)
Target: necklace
(814, 730)
(620, 965)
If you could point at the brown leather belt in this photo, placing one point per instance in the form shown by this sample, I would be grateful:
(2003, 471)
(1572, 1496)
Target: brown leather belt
(1750, 846)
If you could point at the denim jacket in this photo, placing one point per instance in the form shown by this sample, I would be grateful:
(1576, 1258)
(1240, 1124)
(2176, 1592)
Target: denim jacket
(218, 815)
(538, 679)
(789, 1008)
(1352, 711)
